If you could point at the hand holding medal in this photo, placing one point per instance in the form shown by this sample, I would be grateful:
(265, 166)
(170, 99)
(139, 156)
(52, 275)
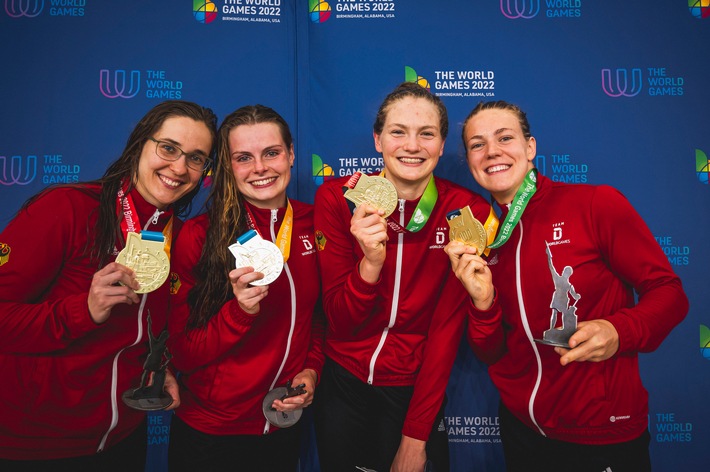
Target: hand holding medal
(282, 419)
(471, 269)
(145, 254)
(251, 250)
(465, 228)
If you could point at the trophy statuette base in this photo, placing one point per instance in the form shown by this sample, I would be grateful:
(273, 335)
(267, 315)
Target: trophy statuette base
(137, 402)
(553, 343)
(558, 337)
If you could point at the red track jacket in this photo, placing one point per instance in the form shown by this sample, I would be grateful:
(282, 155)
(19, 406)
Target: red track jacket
(229, 366)
(57, 366)
(607, 252)
(405, 329)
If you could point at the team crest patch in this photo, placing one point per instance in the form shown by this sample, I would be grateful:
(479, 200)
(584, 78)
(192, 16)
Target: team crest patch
(174, 283)
(4, 253)
(320, 240)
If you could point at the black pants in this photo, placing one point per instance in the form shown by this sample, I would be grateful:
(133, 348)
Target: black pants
(526, 450)
(191, 450)
(127, 456)
(358, 425)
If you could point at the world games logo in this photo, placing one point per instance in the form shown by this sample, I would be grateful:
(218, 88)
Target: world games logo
(661, 82)
(705, 342)
(19, 8)
(120, 84)
(622, 83)
(204, 11)
(15, 172)
(476, 81)
(322, 172)
(699, 8)
(515, 9)
(410, 75)
(562, 167)
(702, 166)
(318, 11)
(33, 8)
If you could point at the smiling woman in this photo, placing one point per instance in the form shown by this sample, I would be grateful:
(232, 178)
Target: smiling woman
(261, 162)
(72, 324)
(250, 353)
(163, 176)
(565, 252)
(392, 334)
(500, 151)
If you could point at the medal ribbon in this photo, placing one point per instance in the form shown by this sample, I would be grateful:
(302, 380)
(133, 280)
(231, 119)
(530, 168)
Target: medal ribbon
(522, 197)
(422, 212)
(352, 181)
(491, 227)
(283, 237)
(130, 223)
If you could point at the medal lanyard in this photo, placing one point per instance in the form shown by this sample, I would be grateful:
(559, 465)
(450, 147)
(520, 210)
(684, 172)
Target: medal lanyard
(283, 237)
(130, 223)
(522, 197)
(423, 210)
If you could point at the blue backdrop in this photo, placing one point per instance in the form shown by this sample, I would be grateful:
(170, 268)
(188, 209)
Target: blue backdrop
(616, 93)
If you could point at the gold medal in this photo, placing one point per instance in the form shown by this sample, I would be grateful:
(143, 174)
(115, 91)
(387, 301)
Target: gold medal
(373, 190)
(148, 260)
(465, 228)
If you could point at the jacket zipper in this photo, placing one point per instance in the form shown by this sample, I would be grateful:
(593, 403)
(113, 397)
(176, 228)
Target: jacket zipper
(114, 371)
(274, 213)
(528, 332)
(395, 295)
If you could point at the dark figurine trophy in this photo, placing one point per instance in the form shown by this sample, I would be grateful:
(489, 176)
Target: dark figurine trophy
(152, 397)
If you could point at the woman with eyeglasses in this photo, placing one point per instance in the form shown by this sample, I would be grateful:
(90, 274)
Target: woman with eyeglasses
(247, 340)
(73, 322)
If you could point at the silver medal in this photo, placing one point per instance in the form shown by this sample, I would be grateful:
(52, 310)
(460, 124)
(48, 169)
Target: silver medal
(251, 250)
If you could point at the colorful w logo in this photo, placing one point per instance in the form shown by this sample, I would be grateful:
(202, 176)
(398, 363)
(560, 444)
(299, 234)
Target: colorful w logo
(621, 86)
(14, 176)
(520, 8)
(28, 8)
(118, 88)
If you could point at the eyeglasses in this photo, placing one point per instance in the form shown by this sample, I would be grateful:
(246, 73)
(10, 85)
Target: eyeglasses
(170, 152)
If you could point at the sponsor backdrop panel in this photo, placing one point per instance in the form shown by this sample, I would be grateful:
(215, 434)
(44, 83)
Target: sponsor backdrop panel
(616, 93)
(79, 76)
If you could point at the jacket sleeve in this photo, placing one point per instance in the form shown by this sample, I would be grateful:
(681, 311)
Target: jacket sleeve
(443, 340)
(485, 333)
(40, 240)
(484, 330)
(193, 348)
(636, 258)
(347, 298)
